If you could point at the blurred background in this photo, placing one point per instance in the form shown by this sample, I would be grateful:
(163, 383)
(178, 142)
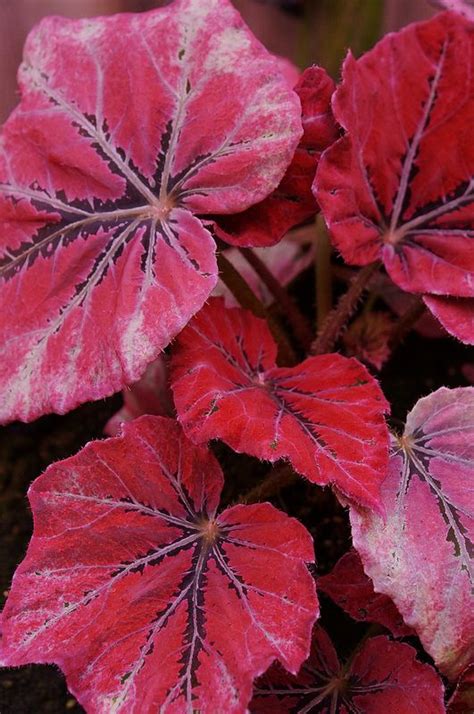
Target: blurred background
(305, 31)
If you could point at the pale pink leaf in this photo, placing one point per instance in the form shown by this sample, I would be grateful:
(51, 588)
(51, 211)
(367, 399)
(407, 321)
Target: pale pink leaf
(353, 591)
(463, 7)
(128, 125)
(421, 556)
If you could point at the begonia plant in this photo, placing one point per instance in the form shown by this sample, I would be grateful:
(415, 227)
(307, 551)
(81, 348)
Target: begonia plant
(149, 155)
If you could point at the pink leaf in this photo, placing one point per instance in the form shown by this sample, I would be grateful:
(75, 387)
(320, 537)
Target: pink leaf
(102, 166)
(150, 395)
(463, 7)
(353, 591)
(384, 676)
(144, 596)
(400, 185)
(292, 202)
(290, 71)
(325, 415)
(421, 556)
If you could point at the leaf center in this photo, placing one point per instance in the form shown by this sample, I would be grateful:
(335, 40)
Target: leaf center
(406, 443)
(160, 210)
(393, 237)
(210, 531)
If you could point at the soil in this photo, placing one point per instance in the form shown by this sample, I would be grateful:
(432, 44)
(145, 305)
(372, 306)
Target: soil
(417, 368)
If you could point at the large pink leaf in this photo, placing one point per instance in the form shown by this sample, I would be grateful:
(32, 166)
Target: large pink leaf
(102, 166)
(353, 591)
(384, 676)
(325, 415)
(421, 556)
(292, 202)
(146, 599)
(400, 185)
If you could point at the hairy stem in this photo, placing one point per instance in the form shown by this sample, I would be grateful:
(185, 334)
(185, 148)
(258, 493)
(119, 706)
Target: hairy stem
(323, 271)
(247, 299)
(297, 321)
(337, 318)
(278, 478)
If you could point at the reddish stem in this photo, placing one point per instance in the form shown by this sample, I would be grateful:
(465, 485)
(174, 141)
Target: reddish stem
(245, 296)
(323, 271)
(297, 321)
(344, 310)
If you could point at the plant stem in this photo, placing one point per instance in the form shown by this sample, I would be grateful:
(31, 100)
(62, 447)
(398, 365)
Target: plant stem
(406, 323)
(323, 271)
(344, 310)
(278, 478)
(247, 299)
(297, 321)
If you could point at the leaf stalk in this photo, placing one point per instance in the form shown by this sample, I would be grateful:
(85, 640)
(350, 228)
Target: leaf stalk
(245, 296)
(341, 314)
(297, 321)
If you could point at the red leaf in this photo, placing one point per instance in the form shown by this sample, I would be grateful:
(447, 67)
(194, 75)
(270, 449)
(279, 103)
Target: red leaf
(146, 598)
(455, 314)
(421, 556)
(400, 302)
(353, 591)
(462, 700)
(400, 185)
(150, 395)
(292, 202)
(325, 415)
(368, 337)
(384, 676)
(102, 166)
